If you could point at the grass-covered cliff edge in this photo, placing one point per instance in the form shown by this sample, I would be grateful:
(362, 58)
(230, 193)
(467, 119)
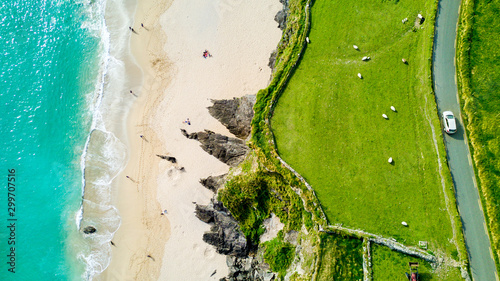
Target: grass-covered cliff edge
(478, 79)
(316, 246)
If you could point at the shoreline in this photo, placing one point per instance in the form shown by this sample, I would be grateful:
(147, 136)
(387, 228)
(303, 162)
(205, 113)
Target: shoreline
(174, 89)
(139, 241)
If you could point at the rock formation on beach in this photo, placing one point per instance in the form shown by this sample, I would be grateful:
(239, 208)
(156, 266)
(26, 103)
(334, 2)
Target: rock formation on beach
(281, 16)
(89, 229)
(235, 114)
(168, 158)
(228, 239)
(248, 268)
(225, 233)
(213, 183)
(229, 150)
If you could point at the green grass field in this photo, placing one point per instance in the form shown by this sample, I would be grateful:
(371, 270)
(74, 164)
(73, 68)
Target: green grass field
(340, 258)
(478, 60)
(389, 265)
(328, 123)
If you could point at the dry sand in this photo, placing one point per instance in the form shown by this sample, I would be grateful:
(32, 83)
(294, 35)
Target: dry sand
(178, 84)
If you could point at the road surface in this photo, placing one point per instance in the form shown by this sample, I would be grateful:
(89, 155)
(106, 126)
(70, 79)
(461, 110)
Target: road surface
(476, 236)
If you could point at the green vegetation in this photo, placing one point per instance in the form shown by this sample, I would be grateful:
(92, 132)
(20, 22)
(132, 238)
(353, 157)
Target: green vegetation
(341, 258)
(390, 265)
(328, 123)
(361, 140)
(252, 197)
(279, 254)
(478, 59)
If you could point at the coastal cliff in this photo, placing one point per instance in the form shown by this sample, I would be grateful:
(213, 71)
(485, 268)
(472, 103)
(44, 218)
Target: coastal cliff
(235, 114)
(225, 233)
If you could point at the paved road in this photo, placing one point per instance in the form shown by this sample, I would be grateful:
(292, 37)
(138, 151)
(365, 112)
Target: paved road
(476, 237)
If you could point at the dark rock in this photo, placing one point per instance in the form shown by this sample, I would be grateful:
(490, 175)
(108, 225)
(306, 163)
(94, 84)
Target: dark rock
(272, 59)
(168, 158)
(235, 114)
(247, 268)
(189, 136)
(282, 15)
(280, 18)
(213, 183)
(231, 151)
(205, 213)
(89, 229)
(218, 206)
(225, 233)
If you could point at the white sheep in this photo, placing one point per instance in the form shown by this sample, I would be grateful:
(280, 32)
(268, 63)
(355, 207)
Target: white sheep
(404, 223)
(385, 116)
(390, 160)
(420, 16)
(404, 20)
(404, 61)
(355, 47)
(307, 40)
(365, 58)
(393, 108)
(359, 75)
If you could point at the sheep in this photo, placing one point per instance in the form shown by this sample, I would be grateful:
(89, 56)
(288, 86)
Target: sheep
(355, 47)
(390, 160)
(404, 20)
(404, 61)
(385, 116)
(393, 108)
(404, 223)
(422, 19)
(359, 75)
(366, 59)
(307, 40)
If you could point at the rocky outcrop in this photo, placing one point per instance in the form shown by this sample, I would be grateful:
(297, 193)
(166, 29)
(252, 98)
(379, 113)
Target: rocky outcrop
(272, 59)
(89, 229)
(205, 213)
(247, 268)
(168, 158)
(213, 183)
(225, 233)
(235, 114)
(281, 16)
(229, 150)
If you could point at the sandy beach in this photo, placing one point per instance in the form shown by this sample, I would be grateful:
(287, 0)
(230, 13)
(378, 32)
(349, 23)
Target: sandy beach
(178, 83)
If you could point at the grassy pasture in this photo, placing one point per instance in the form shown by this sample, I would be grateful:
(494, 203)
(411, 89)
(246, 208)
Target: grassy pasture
(328, 123)
(390, 265)
(340, 258)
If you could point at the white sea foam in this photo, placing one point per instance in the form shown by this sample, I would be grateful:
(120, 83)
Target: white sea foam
(104, 155)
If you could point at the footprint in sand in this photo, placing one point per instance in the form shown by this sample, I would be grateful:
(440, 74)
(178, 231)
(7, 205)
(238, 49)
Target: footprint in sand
(174, 174)
(208, 253)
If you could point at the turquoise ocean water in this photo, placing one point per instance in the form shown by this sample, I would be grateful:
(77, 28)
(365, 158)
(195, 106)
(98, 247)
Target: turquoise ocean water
(56, 131)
